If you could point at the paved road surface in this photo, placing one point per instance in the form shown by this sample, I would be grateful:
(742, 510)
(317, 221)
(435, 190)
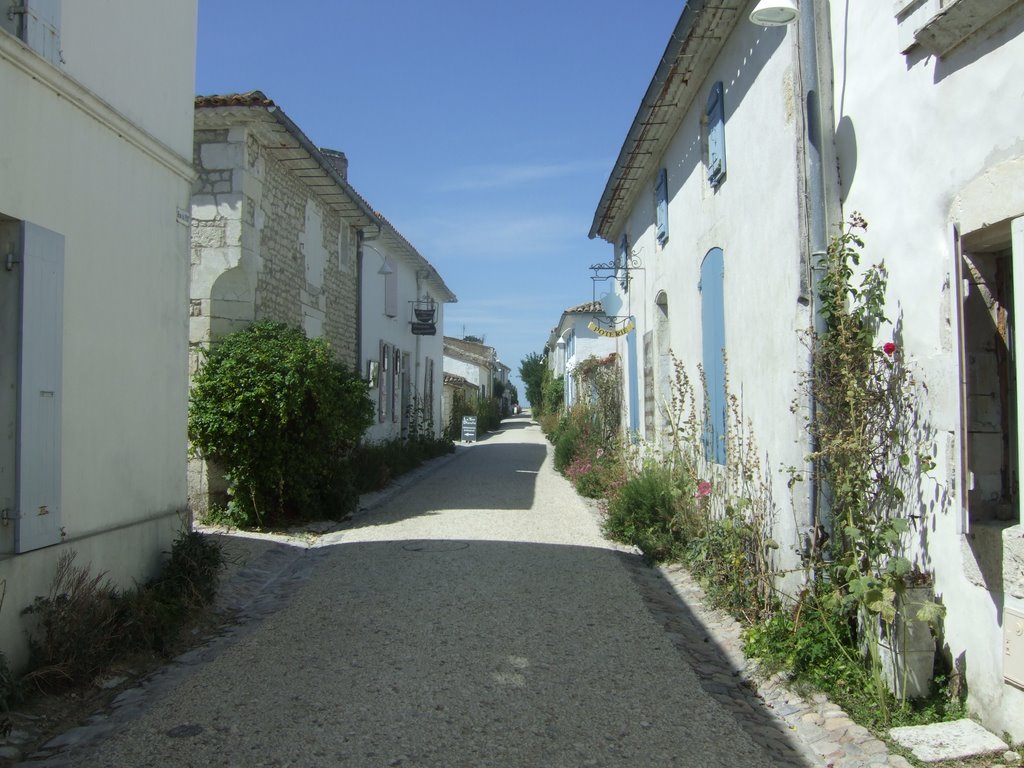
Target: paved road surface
(476, 619)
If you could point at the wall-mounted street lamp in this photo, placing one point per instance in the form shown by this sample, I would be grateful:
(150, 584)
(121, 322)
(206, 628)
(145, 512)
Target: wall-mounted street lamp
(385, 268)
(775, 13)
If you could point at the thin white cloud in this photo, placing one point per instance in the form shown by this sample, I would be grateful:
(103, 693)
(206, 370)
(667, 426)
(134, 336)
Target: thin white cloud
(477, 177)
(491, 235)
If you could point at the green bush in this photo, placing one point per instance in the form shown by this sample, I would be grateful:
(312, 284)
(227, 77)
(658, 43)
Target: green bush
(647, 512)
(488, 415)
(567, 444)
(281, 417)
(377, 464)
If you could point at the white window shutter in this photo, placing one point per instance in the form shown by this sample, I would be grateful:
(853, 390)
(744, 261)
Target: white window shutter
(42, 28)
(40, 389)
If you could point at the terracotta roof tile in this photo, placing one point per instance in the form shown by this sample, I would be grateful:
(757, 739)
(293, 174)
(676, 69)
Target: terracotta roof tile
(250, 99)
(588, 308)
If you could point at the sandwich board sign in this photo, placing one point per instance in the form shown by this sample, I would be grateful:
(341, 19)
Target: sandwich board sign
(469, 429)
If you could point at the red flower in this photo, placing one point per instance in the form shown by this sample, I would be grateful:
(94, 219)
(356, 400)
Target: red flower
(889, 348)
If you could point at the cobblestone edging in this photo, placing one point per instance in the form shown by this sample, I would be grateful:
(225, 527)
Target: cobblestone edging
(710, 641)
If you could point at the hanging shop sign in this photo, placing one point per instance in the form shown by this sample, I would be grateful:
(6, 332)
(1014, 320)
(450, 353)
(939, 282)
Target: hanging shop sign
(424, 311)
(611, 332)
(424, 329)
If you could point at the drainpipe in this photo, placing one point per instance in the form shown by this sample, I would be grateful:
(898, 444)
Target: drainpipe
(816, 219)
(359, 302)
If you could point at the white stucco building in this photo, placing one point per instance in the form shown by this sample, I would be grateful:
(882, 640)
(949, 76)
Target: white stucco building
(473, 361)
(574, 339)
(402, 314)
(94, 227)
(748, 150)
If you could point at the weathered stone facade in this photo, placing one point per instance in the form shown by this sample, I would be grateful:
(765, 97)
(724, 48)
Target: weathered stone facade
(263, 247)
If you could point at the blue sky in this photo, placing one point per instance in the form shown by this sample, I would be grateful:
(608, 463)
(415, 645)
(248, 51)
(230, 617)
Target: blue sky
(483, 131)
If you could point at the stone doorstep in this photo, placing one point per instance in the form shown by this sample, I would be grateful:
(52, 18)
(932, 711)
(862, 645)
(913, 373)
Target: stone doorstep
(954, 740)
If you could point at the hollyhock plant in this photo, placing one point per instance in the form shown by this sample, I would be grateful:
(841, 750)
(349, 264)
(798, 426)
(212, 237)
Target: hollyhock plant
(703, 489)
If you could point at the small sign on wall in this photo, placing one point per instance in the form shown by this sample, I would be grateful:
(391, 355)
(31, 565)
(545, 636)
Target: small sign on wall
(469, 429)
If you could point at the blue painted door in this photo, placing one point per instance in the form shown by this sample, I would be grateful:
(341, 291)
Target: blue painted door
(712, 296)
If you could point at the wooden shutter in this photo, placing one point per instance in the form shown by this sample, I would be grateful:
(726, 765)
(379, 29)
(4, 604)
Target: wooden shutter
(712, 296)
(391, 290)
(661, 205)
(42, 28)
(384, 372)
(715, 114)
(38, 439)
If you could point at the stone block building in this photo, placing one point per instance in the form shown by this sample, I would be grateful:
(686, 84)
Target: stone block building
(278, 234)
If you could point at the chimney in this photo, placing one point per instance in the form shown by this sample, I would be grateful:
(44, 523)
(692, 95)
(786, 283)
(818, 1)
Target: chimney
(337, 160)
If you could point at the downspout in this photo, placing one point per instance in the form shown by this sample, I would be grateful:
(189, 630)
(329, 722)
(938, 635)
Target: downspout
(816, 229)
(359, 302)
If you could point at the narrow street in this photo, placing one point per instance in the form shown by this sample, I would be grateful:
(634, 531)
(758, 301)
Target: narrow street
(477, 618)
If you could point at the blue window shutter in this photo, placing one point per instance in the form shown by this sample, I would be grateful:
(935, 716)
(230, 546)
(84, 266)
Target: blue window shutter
(712, 296)
(39, 389)
(715, 114)
(661, 205)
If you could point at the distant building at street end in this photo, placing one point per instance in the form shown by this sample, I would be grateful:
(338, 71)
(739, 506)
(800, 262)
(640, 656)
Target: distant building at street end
(576, 338)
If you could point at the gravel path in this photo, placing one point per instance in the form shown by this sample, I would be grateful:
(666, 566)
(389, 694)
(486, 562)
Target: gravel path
(476, 618)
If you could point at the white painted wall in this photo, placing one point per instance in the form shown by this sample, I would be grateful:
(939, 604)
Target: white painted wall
(378, 327)
(72, 165)
(753, 217)
(471, 372)
(925, 142)
(587, 344)
(140, 57)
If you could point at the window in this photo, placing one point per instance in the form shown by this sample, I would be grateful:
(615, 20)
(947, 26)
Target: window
(428, 390)
(37, 24)
(714, 116)
(988, 357)
(31, 336)
(712, 315)
(396, 384)
(383, 386)
(939, 26)
(391, 290)
(661, 206)
(345, 248)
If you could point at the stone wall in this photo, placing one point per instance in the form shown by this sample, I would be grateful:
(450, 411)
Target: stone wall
(263, 247)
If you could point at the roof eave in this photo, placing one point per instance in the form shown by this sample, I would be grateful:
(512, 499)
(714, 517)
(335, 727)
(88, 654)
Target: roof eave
(668, 97)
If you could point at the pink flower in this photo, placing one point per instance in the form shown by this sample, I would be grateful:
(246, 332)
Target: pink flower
(889, 348)
(703, 489)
